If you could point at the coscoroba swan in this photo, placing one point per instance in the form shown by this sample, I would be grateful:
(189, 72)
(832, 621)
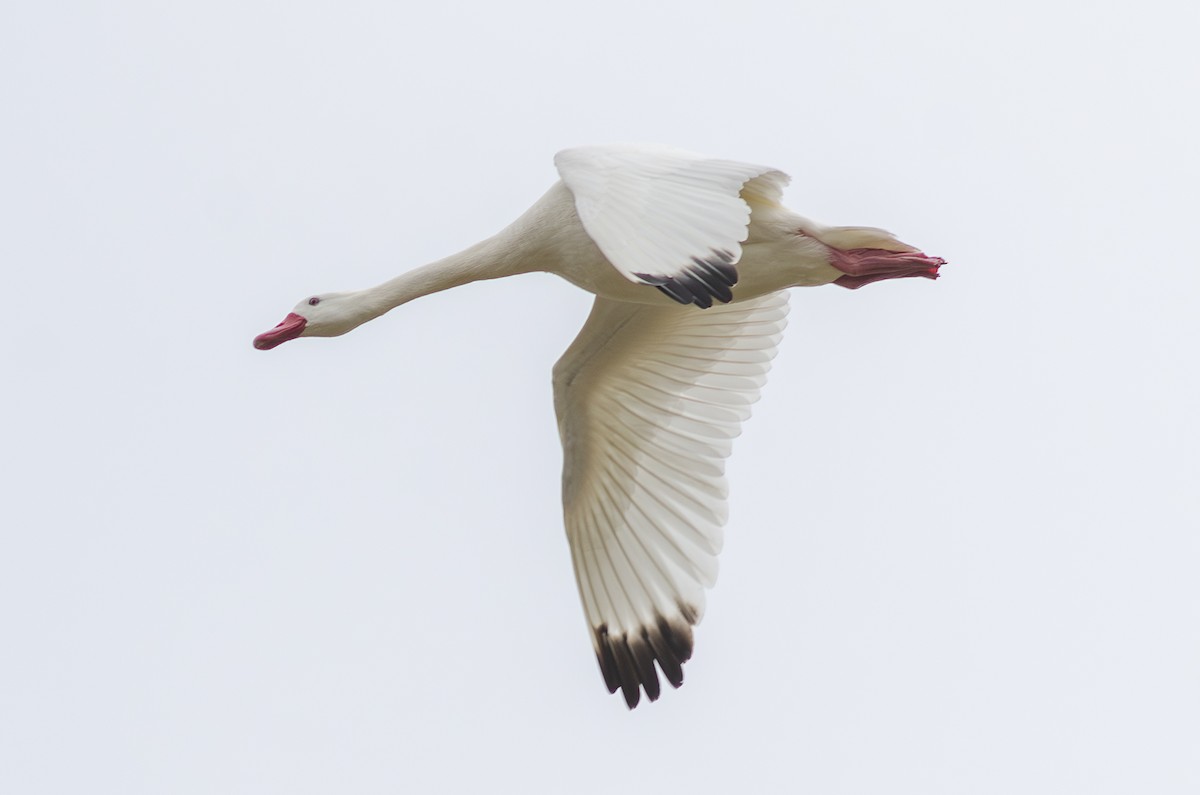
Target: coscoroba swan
(688, 257)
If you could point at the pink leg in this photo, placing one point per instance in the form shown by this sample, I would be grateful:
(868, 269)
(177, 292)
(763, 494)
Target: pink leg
(866, 265)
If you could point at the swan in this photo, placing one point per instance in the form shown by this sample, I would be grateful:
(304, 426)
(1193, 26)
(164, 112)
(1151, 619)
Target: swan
(689, 258)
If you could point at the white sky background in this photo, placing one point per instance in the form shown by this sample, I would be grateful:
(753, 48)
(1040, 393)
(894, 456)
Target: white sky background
(963, 552)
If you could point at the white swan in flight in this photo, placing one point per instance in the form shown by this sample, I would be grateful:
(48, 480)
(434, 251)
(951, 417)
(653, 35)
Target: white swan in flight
(688, 257)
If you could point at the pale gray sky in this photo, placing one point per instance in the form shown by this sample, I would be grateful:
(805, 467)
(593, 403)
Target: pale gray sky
(963, 553)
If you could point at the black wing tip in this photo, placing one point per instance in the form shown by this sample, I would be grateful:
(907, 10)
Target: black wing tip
(627, 661)
(700, 282)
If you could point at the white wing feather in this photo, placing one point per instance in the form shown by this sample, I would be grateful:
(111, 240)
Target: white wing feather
(649, 400)
(667, 217)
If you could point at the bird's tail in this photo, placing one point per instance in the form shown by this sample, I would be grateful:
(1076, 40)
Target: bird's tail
(853, 237)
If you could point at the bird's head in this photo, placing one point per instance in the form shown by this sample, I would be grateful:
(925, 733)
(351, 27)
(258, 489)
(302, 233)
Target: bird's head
(327, 315)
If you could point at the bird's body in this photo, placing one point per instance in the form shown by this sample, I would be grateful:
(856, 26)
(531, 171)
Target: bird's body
(773, 257)
(656, 385)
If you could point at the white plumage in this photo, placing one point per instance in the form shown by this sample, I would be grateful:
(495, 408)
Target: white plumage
(658, 213)
(688, 257)
(646, 422)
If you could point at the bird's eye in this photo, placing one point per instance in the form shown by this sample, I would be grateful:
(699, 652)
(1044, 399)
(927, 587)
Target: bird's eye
(314, 301)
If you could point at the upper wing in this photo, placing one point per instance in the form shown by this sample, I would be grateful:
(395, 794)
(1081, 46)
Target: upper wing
(649, 400)
(667, 217)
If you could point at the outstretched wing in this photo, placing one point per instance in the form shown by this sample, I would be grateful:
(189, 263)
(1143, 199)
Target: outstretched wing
(649, 400)
(667, 217)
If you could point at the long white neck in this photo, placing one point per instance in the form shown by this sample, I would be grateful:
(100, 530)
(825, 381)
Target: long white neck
(490, 259)
(523, 247)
